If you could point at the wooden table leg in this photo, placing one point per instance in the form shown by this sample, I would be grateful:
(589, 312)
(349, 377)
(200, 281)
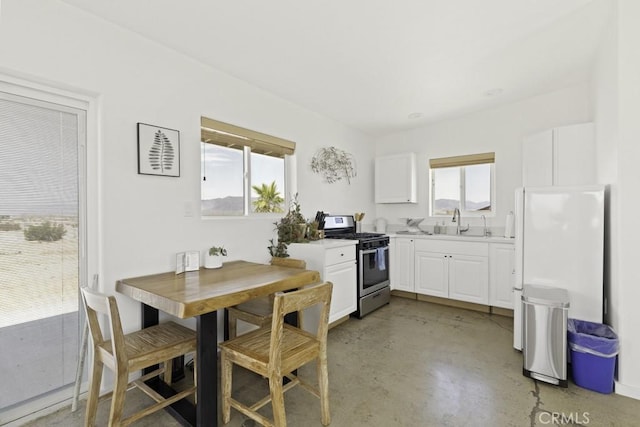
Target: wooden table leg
(207, 407)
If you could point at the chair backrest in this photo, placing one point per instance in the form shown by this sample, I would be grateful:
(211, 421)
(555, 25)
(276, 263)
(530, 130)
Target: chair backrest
(285, 303)
(289, 262)
(96, 303)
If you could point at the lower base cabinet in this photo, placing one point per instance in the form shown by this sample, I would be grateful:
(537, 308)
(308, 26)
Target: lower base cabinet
(456, 270)
(401, 264)
(336, 261)
(475, 272)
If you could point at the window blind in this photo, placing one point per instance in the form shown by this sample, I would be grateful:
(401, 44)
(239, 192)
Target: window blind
(467, 160)
(231, 136)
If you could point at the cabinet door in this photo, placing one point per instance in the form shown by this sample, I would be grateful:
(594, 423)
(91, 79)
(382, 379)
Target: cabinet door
(431, 274)
(501, 275)
(537, 160)
(469, 278)
(344, 295)
(402, 269)
(574, 155)
(395, 179)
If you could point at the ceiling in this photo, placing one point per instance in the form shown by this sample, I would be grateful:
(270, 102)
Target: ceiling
(377, 65)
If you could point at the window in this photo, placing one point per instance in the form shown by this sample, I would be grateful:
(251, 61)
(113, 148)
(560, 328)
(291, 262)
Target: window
(463, 182)
(237, 162)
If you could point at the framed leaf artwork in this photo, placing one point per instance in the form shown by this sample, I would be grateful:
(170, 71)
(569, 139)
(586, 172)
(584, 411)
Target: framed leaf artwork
(158, 150)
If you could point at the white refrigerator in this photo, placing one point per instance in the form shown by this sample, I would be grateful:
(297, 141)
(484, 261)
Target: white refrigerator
(560, 243)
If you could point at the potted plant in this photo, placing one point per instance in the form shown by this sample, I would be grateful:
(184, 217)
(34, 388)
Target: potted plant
(293, 227)
(213, 259)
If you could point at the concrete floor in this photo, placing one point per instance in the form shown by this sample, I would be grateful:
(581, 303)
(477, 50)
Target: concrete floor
(414, 363)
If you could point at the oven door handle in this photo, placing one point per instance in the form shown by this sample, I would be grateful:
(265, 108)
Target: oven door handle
(370, 251)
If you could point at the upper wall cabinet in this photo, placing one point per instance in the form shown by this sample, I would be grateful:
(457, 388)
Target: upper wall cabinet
(395, 179)
(560, 156)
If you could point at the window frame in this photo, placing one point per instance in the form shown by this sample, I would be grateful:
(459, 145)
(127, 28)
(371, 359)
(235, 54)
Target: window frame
(463, 162)
(248, 142)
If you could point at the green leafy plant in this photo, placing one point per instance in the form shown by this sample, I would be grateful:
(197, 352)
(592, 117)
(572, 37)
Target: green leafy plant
(217, 250)
(269, 198)
(291, 228)
(45, 232)
(278, 249)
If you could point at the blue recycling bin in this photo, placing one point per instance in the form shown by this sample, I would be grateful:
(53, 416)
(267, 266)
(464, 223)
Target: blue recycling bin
(594, 349)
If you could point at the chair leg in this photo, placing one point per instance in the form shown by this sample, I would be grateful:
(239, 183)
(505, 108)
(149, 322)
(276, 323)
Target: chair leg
(117, 400)
(233, 326)
(323, 386)
(94, 393)
(226, 366)
(168, 371)
(277, 401)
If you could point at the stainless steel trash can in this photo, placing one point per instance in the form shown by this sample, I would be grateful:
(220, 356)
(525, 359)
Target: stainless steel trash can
(544, 329)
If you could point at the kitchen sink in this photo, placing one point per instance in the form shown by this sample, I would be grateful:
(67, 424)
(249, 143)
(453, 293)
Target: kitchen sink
(415, 233)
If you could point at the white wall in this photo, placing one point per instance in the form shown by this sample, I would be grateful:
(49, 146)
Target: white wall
(142, 218)
(500, 130)
(617, 107)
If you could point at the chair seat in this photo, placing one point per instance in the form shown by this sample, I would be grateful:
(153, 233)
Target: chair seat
(155, 344)
(298, 348)
(258, 307)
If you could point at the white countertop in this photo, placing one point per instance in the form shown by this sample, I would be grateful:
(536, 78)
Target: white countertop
(329, 243)
(460, 238)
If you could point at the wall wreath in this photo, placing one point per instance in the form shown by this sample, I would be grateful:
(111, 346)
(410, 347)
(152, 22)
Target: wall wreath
(334, 164)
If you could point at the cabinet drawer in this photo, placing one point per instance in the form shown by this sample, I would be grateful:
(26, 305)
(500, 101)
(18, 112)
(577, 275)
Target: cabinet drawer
(338, 255)
(449, 247)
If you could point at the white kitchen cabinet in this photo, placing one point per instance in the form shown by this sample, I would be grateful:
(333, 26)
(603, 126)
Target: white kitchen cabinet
(432, 276)
(335, 259)
(560, 156)
(456, 270)
(395, 179)
(501, 274)
(401, 265)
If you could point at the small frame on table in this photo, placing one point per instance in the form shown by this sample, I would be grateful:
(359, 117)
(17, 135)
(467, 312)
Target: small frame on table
(158, 150)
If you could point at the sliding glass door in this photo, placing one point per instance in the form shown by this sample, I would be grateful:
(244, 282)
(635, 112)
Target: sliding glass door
(41, 237)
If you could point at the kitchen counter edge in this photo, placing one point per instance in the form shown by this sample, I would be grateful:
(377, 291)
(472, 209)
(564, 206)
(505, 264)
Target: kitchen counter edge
(461, 238)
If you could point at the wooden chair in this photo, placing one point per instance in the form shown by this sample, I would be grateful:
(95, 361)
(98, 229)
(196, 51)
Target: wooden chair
(129, 353)
(278, 350)
(258, 311)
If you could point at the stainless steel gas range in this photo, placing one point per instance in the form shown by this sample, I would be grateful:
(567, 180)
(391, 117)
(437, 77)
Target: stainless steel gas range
(372, 255)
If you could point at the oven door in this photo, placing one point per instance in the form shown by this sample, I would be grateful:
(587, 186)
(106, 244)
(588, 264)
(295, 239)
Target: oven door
(373, 266)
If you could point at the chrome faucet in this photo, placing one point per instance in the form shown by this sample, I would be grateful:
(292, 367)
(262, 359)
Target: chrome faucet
(456, 214)
(485, 232)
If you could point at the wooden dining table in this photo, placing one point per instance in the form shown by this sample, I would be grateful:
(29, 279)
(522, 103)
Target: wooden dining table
(201, 294)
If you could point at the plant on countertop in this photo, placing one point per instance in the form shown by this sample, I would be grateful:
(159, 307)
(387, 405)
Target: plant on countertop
(291, 228)
(334, 164)
(213, 258)
(217, 251)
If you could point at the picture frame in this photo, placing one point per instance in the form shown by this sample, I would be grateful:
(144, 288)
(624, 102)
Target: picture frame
(158, 150)
(187, 261)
